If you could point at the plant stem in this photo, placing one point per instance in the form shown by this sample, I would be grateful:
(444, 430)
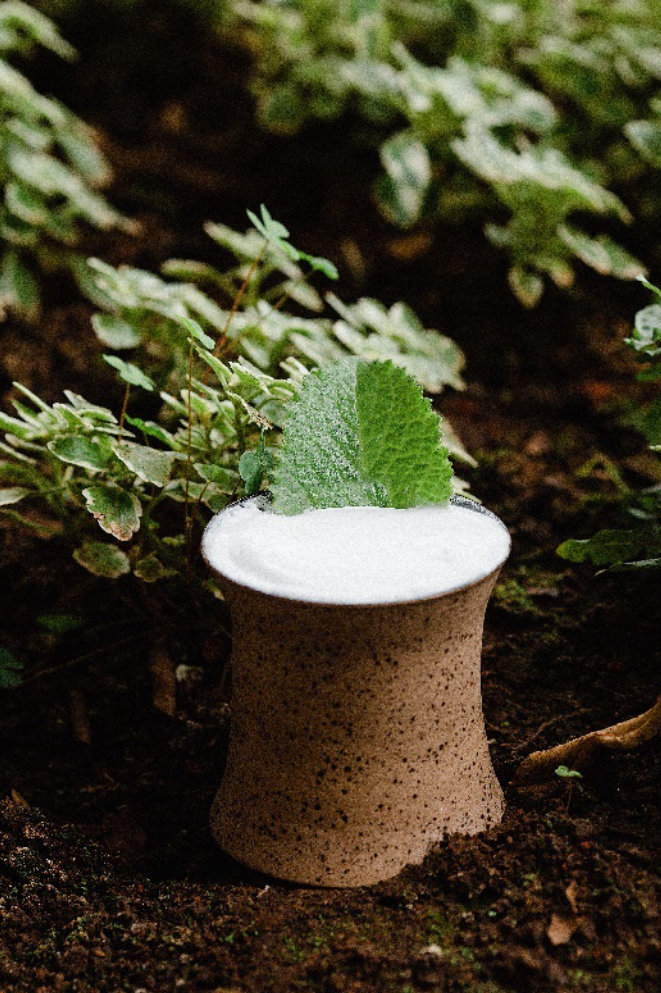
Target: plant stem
(240, 433)
(282, 300)
(236, 303)
(189, 441)
(122, 416)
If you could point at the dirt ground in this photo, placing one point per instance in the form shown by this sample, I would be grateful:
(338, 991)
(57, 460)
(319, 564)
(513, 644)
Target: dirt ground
(109, 879)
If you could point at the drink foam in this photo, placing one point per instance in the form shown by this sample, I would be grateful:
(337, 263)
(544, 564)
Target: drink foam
(355, 555)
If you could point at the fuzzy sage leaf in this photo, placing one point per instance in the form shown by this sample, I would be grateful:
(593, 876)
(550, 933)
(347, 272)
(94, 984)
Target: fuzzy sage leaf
(360, 434)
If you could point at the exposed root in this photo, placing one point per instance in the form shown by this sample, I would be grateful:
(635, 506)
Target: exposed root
(579, 753)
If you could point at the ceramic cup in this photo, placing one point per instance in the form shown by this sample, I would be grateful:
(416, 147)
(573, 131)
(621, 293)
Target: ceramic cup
(357, 737)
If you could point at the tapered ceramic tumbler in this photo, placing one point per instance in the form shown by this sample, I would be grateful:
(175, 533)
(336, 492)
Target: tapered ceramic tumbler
(357, 736)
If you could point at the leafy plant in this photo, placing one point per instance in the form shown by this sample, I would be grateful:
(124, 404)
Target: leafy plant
(78, 458)
(142, 309)
(150, 484)
(502, 106)
(50, 167)
(360, 434)
(637, 547)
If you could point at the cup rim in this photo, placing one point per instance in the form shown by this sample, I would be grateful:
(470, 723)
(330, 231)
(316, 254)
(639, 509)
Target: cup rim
(264, 497)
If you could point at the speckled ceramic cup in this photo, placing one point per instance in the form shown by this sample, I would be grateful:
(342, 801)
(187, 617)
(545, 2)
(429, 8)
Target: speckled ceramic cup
(357, 737)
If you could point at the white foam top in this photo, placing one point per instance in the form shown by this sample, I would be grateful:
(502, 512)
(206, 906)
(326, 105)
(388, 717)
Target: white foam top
(355, 555)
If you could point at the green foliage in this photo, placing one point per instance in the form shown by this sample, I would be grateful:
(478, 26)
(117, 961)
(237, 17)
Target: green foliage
(142, 308)
(10, 670)
(50, 167)
(254, 465)
(618, 548)
(626, 549)
(74, 457)
(149, 485)
(360, 434)
(102, 559)
(564, 772)
(275, 235)
(129, 372)
(59, 623)
(645, 136)
(501, 106)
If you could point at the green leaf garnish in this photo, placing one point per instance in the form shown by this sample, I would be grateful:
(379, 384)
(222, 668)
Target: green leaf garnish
(400, 437)
(360, 434)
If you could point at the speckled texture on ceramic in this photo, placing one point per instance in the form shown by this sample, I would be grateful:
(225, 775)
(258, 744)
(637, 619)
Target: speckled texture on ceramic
(357, 734)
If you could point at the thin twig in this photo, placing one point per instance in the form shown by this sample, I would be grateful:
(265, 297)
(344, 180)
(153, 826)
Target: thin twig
(236, 303)
(122, 416)
(218, 352)
(189, 445)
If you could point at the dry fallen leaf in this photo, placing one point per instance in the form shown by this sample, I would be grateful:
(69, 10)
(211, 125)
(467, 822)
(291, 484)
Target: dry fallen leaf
(570, 893)
(538, 444)
(409, 247)
(561, 929)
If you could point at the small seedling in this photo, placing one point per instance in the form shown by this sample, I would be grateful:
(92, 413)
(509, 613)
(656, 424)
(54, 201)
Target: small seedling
(565, 773)
(571, 777)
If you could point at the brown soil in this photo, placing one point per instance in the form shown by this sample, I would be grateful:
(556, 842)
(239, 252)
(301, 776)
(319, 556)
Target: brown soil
(109, 879)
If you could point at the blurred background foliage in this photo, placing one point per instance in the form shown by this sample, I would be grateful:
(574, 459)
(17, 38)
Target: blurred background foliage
(539, 120)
